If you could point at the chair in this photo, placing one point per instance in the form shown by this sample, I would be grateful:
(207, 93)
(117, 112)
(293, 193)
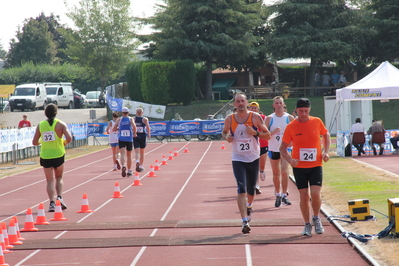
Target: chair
(358, 140)
(378, 138)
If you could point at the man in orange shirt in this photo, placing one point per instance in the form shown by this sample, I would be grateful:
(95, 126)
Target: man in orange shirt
(307, 159)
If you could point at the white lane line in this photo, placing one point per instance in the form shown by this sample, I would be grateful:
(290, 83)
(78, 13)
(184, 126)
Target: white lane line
(248, 254)
(138, 256)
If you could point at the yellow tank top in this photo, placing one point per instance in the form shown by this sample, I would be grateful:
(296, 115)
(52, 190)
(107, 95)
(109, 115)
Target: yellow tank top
(52, 145)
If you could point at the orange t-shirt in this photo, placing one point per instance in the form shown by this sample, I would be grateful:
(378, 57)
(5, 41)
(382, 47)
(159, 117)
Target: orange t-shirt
(305, 138)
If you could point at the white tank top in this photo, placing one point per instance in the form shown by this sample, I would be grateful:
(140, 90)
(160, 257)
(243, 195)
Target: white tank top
(113, 135)
(275, 122)
(246, 147)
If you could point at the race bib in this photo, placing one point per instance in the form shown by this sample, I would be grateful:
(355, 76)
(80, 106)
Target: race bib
(307, 154)
(140, 129)
(125, 133)
(244, 145)
(48, 136)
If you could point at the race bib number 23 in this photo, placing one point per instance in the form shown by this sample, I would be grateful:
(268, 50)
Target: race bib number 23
(243, 145)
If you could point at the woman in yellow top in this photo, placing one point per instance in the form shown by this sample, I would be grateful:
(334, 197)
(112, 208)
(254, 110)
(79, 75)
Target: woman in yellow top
(50, 134)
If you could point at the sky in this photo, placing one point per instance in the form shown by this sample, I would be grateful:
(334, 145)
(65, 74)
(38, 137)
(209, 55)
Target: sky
(14, 13)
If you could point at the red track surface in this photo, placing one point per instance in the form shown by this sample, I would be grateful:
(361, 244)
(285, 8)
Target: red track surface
(169, 212)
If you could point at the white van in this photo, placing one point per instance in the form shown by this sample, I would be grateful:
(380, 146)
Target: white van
(60, 94)
(28, 97)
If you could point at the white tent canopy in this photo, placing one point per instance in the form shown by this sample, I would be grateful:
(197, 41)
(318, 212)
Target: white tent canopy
(382, 83)
(300, 62)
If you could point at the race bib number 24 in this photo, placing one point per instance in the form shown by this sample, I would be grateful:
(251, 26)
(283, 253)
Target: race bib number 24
(307, 154)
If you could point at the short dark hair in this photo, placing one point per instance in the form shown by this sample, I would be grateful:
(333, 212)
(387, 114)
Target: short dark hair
(358, 120)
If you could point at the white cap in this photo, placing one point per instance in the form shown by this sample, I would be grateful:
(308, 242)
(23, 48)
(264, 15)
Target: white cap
(125, 109)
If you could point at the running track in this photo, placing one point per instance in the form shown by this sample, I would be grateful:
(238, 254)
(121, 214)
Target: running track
(187, 215)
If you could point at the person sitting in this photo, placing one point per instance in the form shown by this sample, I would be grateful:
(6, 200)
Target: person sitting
(394, 141)
(356, 130)
(376, 128)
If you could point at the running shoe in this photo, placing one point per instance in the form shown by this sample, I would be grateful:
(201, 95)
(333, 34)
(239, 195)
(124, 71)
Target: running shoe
(286, 201)
(137, 167)
(51, 207)
(63, 205)
(257, 190)
(115, 168)
(263, 176)
(129, 173)
(123, 171)
(245, 228)
(141, 168)
(318, 227)
(278, 201)
(249, 214)
(118, 165)
(307, 231)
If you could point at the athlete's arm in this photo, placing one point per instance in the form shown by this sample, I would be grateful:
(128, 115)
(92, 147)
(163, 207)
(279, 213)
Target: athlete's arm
(226, 129)
(326, 144)
(260, 124)
(117, 124)
(36, 137)
(133, 124)
(147, 125)
(284, 153)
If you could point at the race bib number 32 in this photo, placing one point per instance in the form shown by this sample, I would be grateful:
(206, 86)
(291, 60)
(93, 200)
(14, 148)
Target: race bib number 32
(48, 136)
(307, 154)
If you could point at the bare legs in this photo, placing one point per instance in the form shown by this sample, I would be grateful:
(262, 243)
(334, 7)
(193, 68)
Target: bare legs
(54, 184)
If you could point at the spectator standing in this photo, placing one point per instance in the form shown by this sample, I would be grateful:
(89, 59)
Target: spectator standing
(24, 122)
(325, 79)
(335, 77)
(50, 134)
(307, 157)
(317, 78)
(140, 142)
(240, 129)
(114, 141)
(342, 79)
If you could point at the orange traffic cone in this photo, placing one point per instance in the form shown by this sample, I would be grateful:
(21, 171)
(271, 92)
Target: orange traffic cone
(5, 235)
(41, 216)
(17, 227)
(29, 224)
(85, 205)
(2, 261)
(176, 153)
(2, 243)
(164, 162)
(223, 147)
(186, 149)
(170, 155)
(156, 167)
(137, 180)
(152, 173)
(117, 191)
(12, 234)
(58, 216)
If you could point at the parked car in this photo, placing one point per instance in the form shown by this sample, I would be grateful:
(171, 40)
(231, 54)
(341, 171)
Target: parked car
(60, 93)
(94, 99)
(28, 97)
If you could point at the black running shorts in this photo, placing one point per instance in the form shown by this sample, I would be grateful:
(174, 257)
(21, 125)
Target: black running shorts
(49, 163)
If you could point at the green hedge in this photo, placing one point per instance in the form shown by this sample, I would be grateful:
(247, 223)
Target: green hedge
(133, 77)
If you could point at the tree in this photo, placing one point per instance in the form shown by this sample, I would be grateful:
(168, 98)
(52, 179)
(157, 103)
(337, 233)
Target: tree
(59, 40)
(322, 30)
(214, 32)
(386, 21)
(35, 44)
(103, 41)
(2, 52)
